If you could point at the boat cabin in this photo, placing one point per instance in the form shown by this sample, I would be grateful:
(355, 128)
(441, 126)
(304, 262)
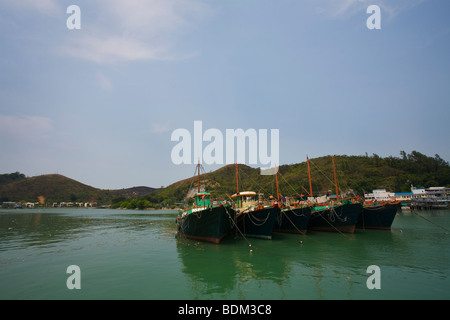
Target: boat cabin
(202, 199)
(249, 200)
(245, 198)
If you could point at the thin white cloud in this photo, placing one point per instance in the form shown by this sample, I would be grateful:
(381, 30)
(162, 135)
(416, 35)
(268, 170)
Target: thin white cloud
(47, 7)
(104, 82)
(345, 8)
(160, 127)
(26, 128)
(135, 30)
(103, 48)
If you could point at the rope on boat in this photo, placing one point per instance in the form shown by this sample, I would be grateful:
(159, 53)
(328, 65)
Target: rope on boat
(290, 221)
(262, 221)
(320, 214)
(335, 214)
(249, 177)
(303, 234)
(282, 177)
(237, 228)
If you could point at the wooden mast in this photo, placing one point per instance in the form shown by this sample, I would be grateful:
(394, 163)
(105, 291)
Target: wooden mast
(237, 184)
(309, 176)
(198, 167)
(276, 179)
(237, 179)
(335, 178)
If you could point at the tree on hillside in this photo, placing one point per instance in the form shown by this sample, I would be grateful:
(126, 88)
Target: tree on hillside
(10, 177)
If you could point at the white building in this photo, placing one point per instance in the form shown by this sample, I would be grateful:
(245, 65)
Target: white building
(379, 195)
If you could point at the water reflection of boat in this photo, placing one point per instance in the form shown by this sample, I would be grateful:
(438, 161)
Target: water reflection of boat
(209, 267)
(227, 270)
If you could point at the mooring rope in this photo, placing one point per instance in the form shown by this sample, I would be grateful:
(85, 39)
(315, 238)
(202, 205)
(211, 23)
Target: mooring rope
(237, 228)
(320, 214)
(299, 231)
(263, 221)
(432, 222)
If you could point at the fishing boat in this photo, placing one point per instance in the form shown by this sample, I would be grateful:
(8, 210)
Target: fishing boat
(293, 219)
(294, 214)
(255, 217)
(334, 214)
(205, 219)
(378, 215)
(340, 216)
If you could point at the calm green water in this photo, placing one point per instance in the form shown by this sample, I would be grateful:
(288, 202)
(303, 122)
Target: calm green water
(136, 255)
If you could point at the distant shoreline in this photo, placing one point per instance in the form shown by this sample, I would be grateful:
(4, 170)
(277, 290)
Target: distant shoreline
(94, 208)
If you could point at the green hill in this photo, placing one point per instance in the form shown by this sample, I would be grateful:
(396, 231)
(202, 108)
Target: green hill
(355, 174)
(58, 188)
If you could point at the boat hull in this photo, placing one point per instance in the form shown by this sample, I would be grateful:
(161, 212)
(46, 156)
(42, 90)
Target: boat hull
(258, 223)
(379, 217)
(293, 220)
(340, 218)
(209, 224)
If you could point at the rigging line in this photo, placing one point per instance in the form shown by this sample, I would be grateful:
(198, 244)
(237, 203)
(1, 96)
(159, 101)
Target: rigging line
(347, 186)
(186, 200)
(432, 222)
(237, 228)
(255, 182)
(293, 224)
(302, 234)
(250, 178)
(332, 182)
(331, 208)
(282, 176)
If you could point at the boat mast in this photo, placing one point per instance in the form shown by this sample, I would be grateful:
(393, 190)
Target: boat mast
(198, 167)
(335, 178)
(276, 179)
(237, 179)
(309, 176)
(237, 183)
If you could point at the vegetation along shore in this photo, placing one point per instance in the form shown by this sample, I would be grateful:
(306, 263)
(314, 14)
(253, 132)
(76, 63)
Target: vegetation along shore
(356, 175)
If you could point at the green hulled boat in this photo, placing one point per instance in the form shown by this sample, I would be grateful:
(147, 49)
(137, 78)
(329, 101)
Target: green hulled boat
(254, 218)
(378, 215)
(206, 220)
(293, 219)
(335, 217)
(334, 214)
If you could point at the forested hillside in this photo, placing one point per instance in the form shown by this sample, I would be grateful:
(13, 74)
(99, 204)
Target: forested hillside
(50, 188)
(355, 175)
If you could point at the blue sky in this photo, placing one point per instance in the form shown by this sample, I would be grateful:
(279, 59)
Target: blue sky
(99, 104)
